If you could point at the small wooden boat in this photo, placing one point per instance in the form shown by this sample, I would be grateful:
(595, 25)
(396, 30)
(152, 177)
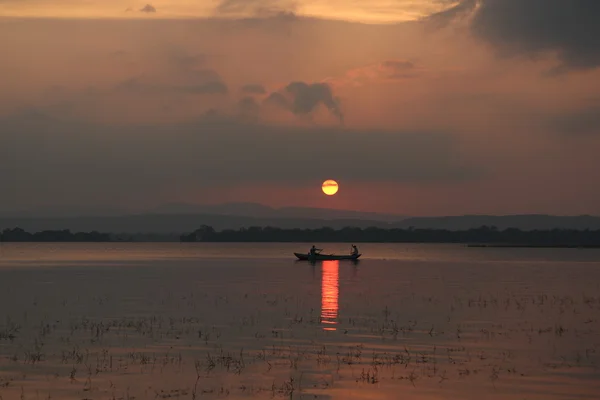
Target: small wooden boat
(325, 257)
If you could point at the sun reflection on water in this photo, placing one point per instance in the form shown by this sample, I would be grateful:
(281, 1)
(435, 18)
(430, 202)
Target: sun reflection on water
(330, 294)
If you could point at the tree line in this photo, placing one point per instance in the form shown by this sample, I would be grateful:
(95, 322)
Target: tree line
(482, 235)
(476, 236)
(65, 235)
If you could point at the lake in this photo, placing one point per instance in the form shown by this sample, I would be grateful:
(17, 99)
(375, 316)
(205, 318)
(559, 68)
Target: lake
(245, 321)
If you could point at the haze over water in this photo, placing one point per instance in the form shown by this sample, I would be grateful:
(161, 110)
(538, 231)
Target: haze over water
(146, 321)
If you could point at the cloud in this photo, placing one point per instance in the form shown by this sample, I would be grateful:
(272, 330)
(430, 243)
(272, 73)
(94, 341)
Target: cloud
(277, 99)
(568, 28)
(356, 10)
(148, 8)
(257, 8)
(308, 96)
(108, 161)
(303, 98)
(460, 9)
(252, 88)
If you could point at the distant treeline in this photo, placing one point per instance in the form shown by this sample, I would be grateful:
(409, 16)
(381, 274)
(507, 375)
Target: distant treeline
(19, 235)
(482, 235)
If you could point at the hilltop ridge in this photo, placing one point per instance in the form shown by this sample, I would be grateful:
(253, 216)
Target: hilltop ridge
(182, 217)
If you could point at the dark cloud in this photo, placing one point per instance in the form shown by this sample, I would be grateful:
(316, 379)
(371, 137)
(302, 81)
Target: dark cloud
(306, 97)
(56, 161)
(568, 28)
(460, 9)
(253, 88)
(278, 100)
(303, 98)
(148, 8)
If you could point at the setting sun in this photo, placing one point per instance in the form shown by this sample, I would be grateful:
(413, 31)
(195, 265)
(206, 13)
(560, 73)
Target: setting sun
(330, 187)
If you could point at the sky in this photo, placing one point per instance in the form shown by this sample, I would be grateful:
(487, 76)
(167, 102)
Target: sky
(416, 107)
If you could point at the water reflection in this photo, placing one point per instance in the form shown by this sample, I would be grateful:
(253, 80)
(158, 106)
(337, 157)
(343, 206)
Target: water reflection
(330, 294)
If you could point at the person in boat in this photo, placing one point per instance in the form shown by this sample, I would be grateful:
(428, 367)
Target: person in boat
(313, 251)
(354, 251)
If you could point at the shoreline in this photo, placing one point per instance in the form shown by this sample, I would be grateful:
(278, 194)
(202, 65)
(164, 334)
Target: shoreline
(536, 246)
(482, 237)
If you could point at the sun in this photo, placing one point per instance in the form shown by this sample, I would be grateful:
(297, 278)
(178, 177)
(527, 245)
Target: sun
(330, 187)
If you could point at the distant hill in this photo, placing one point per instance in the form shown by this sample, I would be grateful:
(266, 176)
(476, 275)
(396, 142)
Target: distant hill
(524, 222)
(179, 218)
(173, 223)
(262, 211)
(64, 212)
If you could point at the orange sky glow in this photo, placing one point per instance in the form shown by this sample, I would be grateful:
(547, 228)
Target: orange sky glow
(374, 11)
(260, 100)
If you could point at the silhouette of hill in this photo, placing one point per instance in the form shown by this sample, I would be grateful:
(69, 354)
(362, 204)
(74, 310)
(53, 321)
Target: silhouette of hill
(261, 211)
(523, 222)
(64, 212)
(172, 223)
(179, 217)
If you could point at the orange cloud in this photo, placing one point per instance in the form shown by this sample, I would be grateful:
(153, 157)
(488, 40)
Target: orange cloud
(371, 11)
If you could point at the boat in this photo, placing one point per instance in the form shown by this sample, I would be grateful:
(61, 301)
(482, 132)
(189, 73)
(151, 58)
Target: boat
(326, 257)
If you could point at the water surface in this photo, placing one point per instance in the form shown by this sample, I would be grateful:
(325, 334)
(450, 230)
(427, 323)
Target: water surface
(146, 321)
